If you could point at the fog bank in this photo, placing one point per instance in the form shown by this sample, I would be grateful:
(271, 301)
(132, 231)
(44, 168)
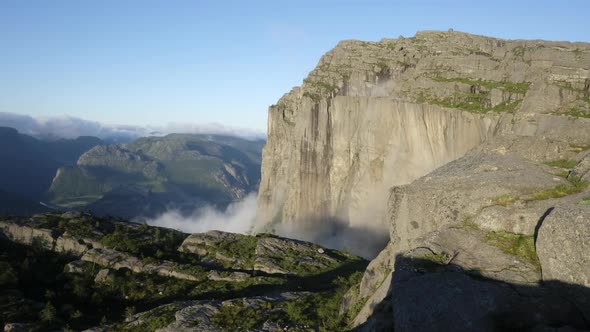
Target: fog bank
(238, 217)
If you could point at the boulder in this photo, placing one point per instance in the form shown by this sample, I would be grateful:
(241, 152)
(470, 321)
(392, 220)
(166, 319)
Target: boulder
(102, 276)
(563, 247)
(44, 238)
(74, 267)
(447, 300)
(232, 276)
(582, 169)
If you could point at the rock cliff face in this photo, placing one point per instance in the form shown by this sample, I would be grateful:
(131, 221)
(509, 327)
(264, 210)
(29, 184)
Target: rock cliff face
(472, 152)
(377, 114)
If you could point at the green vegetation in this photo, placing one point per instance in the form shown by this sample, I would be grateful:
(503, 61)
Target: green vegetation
(440, 258)
(585, 201)
(504, 200)
(390, 45)
(562, 163)
(233, 317)
(144, 240)
(147, 175)
(49, 313)
(468, 223)
(39, 277)
(474, 102)
(7, 274)
(521, 246)
(575, 112)
(321, 310)
(514, 87)
(575, 186)
(242, 249)
(155, 319)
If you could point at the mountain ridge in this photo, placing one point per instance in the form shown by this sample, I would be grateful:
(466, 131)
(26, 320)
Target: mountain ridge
(156, 174)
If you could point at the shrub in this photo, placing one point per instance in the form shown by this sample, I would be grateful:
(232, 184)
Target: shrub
(49, 313)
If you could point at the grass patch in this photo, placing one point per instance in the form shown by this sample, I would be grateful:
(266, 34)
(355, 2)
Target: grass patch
(521, 246)
(504, 200)
(243, 249)
(574, 112)
(440, 258)
(234, 317)
(514, 87)
(468, 223)
(153, 320)
(562, 190)
(585, 201)
(390, 45)
(474, 102)
(321, 311)
(562, 163)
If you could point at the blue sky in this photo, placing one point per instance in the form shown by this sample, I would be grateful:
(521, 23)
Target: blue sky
(154, 62)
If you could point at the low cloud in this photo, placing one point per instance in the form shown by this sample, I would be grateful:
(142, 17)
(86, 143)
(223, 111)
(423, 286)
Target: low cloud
(65, 126)
(238, 217)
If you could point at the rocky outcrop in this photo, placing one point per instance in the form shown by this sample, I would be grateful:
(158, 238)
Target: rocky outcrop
(479, 216)
(564, 252)
(461, 146)
(264, 253)
(200, 315)
(117, 260)
(44, 238)
(373, 115)
(48, 239)
(204, 243)
(232, 282)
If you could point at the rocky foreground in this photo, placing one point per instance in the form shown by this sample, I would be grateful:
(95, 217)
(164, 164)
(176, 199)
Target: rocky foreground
(73, 271)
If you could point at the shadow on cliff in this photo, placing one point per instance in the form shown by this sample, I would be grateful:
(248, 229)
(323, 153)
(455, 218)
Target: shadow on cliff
(428, 296)
(337, 234)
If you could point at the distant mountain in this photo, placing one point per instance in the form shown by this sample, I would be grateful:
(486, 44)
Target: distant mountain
(29, 164)
(151, 175)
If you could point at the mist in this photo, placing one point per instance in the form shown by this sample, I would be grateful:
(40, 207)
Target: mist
(238, 217)
(338, 234)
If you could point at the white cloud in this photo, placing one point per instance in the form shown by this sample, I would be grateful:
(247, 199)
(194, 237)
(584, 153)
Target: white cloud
(72, 127)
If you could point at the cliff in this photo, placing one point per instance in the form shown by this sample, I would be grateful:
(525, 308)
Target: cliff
(465, 150)
(373, 115)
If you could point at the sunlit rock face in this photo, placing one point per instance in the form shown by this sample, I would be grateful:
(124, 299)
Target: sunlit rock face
(374, 115)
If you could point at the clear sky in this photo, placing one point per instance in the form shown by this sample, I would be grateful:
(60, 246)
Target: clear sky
(153, 62)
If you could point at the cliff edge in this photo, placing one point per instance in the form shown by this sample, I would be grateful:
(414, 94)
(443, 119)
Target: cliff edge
(470, 152)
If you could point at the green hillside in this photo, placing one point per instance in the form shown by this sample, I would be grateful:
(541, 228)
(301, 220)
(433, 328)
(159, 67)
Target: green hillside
(29, 164)
(151, 174)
